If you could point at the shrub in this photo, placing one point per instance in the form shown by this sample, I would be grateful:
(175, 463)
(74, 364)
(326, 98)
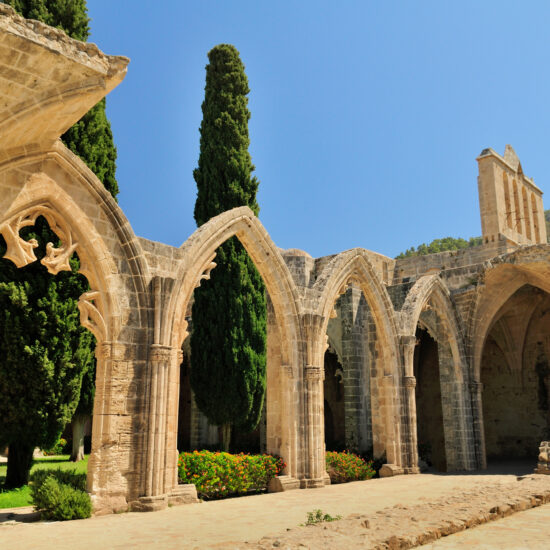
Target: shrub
(346, 466)
(57, 449)
(60, 494)
(219, 475)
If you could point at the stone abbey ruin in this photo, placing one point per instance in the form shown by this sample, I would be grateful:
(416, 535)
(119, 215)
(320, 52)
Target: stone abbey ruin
(447, 353)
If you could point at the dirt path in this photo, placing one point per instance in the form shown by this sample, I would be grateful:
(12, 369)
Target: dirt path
(401, 505)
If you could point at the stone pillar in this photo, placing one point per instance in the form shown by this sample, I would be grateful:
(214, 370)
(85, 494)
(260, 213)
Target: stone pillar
(408, 344)
(392, 455)
(315, 433)
(110, 481)
(172, 411)
(159, 360)
(409, 389)
(476, 389)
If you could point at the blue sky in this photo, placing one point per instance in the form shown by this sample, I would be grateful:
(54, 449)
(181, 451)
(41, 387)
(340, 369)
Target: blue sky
(366, 120)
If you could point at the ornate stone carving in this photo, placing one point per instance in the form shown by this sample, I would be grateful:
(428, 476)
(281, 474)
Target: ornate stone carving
(160, 354)
(91, 317)
(409, 381)
(57, 259)
(313, 372)
(21, 252)
(210, 265)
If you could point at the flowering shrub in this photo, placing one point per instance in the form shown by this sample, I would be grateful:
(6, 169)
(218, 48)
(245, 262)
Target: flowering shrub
(218, 475)
(346, 466)
(57, 449)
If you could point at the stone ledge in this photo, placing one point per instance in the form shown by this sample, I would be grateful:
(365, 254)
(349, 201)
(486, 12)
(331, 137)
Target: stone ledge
(150, 504)
(183, 494)
(282, 483)
(312, 483)
(390, 470)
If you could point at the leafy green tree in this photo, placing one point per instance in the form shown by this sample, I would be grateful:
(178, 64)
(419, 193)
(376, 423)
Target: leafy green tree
(44, 353)
(228, 338)
(440, 245)
(547, 220)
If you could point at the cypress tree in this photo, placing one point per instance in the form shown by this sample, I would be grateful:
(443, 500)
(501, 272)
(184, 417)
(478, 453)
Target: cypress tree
(228, 337)
(44, 352)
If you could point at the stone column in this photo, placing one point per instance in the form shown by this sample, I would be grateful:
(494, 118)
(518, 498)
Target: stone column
(315, 467)
(408, 344)
(476, 389)
(109, 480)
(409, 387)
(159, 361)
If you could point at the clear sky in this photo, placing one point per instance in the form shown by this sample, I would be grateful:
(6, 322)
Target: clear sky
(367, 117)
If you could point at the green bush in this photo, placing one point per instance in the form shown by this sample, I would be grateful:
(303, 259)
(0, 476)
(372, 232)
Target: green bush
(219, 475)
(346, 466)
(60, 494)
(58, 449)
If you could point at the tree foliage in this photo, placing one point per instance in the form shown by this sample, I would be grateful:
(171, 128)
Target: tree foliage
(440, 245)
(228, 338)
(44, 353)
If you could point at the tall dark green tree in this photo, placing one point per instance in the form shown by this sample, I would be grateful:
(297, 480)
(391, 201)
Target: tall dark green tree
(44, 353)
(228, 338)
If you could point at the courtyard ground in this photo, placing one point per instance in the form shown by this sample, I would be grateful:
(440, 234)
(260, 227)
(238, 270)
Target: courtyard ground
(373, 511)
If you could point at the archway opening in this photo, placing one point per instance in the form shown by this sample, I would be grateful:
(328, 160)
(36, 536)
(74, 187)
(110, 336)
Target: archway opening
(429, 409)
(515, 373)
(333, 386)
(47, 371)
(196, 432)
(351, 365)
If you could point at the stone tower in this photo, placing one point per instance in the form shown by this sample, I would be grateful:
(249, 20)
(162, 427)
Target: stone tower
(510, 203)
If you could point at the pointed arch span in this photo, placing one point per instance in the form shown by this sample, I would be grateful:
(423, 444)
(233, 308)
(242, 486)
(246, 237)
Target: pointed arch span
(431, 291)
(501, 278)
(198, 253)
(62, 179)
(355, 266)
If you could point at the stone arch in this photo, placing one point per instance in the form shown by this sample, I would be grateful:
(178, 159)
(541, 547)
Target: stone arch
(355, 266)
(57, 185)
(430, 291)
(429, 302)
(498, 282)
(501, 278)
(198, 259)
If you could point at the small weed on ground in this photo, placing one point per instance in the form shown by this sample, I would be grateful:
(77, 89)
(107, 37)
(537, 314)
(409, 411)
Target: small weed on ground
(317, 516)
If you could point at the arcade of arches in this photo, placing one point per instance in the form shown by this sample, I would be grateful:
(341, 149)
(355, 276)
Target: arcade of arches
(444, 356)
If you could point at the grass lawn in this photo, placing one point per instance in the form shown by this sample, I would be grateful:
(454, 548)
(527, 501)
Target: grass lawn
(15, 498)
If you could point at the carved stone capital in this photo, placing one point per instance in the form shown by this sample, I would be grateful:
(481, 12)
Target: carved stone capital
(475, 387)
(313, 372)
(409, 381)
(160, 354)
(179, 355)
(408, 340)
(103, 350)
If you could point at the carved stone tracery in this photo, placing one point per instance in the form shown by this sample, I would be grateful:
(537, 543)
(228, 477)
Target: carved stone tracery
(90, 307)
(21, 252)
